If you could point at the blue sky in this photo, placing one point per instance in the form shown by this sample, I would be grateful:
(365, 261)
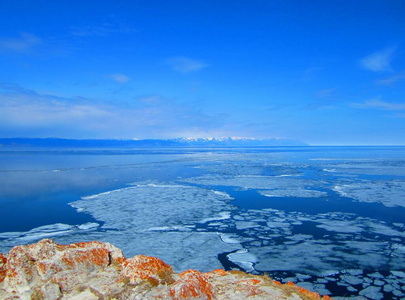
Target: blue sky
(324, 72)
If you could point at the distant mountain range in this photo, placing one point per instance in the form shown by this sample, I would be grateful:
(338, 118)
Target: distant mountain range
(177, 142)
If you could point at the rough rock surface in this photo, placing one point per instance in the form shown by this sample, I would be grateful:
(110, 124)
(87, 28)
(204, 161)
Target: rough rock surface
(96, 270)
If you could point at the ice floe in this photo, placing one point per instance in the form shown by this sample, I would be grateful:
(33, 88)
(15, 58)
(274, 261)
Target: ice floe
(244, 259)
(372, 167)
(372, 292)
(145, 213)
(390, 193)
(10, 239)
(301, 193)
(340, 226)
(254, 181)
(229, 238)
(353, 280)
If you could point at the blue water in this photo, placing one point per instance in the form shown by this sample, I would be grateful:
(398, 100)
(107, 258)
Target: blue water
(37, 185)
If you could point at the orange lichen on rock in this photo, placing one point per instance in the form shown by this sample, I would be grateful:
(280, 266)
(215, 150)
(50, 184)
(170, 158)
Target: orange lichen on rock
(219, 272)
(46, 270)
(248, 286)
(192, 284)
(94, 256)
(277, 282)
(304, 292)
(3, 267)
(47, 262)
(310, 294)
(19, 267)
(141, 268)
(255, 281)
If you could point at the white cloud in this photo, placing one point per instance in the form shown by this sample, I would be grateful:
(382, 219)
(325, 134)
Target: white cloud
(378, 104)
(110, 26)
(392, 79)
(325, 99)
(186, 65)
(29, 113)
(378, 61)
(23, 43)
(119, 78)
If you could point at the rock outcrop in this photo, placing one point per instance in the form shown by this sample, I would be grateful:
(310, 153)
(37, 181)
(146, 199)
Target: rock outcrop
(96, 270)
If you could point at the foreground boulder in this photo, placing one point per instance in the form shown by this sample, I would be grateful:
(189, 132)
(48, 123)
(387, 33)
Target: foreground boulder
(96, 270)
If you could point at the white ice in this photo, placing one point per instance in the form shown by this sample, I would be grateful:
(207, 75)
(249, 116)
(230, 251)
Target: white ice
(151, 219)
(390, 193)
(10, 239)
(243, 259)
(254, 182)
(299, 192)
(158, 219)
(376, 167)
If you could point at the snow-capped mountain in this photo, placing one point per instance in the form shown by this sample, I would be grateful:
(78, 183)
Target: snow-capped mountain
(236, 141)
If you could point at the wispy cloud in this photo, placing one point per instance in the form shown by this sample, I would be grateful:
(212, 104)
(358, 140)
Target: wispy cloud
(400, 115)
(29, 113)
(326, 93)
(324, 99)
(392, 79)
(23, 43)
(119, 78)
(379, 104)
(378, 61)
(110, 26)
(186, 65)
(99, 30)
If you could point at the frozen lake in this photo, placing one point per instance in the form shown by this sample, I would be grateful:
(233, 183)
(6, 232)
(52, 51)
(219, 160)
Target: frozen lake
(330, 219)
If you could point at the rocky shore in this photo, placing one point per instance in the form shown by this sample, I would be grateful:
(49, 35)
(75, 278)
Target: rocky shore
(95, 270)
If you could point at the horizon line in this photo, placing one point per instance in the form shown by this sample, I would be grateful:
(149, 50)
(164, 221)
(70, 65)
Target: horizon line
(207, 138)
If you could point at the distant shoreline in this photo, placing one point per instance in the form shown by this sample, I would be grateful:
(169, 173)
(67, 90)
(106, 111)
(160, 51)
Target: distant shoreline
(156, 143)
(126, 143)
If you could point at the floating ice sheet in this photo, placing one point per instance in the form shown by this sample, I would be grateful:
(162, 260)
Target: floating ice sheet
(300, 192)
(390, 193)
(254, 181)
(151, 219)
(156, 219)
(243, 259)
(340, 226)
(373, 167)
(145, 206)
(10, 239)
